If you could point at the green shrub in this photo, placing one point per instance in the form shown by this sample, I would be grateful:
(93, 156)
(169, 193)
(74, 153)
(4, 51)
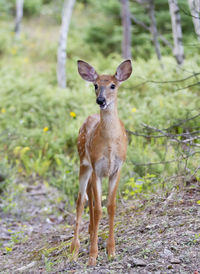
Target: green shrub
(39, 122)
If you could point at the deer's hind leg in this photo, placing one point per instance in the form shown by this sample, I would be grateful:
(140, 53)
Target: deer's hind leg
(113, 185)
(84, 175)
(91, 207)
(96, 188)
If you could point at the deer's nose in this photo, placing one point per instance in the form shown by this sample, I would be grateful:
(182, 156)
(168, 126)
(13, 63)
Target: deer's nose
(101, 101)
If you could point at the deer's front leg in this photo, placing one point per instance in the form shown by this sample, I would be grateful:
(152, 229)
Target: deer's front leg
(113, 184)
(96, 185)
(84, 175)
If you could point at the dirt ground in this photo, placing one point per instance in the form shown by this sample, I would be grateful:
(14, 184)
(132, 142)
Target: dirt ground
(152, 236)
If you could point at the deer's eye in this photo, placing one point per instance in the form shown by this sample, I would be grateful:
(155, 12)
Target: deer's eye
(112, 86)
(96, 86)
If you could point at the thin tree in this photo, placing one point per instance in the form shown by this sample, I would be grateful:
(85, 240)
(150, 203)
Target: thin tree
(178, 50)
(153, 28)
(126, 23)
(194, 6)
(61, 54)
(19, 15)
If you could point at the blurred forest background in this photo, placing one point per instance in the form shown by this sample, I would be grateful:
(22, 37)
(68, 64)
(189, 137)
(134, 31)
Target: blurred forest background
(159, 104)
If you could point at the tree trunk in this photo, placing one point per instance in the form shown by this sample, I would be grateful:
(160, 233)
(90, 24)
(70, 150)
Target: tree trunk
(61, 54)
(178, 50)
(19, 15)
(126, 23)
(153, 29)
(195, 12)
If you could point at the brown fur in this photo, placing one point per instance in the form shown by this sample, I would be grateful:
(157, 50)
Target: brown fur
(102, 144)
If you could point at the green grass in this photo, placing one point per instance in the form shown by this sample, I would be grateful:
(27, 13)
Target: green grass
(38, 134)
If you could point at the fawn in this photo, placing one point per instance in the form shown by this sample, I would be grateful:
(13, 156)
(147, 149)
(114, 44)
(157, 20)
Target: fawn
(102, 144)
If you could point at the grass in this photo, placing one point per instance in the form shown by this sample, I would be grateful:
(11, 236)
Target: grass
(39, 122)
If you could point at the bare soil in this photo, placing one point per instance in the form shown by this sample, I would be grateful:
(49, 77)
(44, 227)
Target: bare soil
(152, 236)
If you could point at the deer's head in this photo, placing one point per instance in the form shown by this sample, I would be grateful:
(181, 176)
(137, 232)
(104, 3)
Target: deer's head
(106, 86)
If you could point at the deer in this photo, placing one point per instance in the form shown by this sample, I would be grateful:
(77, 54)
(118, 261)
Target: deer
(102, 146)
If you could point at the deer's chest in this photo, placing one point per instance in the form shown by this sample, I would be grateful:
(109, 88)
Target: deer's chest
(106, 154)
(109, 159)
(106, 166)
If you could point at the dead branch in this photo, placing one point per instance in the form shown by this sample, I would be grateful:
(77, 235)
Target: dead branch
(186, 134)
(180, 159)
(189, 86)
(195, 74)
(171, 136)
(183, 121)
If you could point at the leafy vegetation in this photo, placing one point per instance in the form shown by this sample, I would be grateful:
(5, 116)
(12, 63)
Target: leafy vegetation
(39, 122)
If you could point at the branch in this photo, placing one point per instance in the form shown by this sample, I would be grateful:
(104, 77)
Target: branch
(186, 134)
(189, 14)
(195, 172)
(162, 38)
(155, 163)
(140, 23)
(183, 122)
(141, 2)
(168, 162)
(189, 86)
(171, 81)
(174, 81)
(173, 137)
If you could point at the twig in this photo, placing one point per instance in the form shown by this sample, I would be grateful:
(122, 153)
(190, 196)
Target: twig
(169, 135)
(183, 121)
(166, 162)
(189, 86)
(195, 172)
(160, 136)
(155, 163)
(170, 81)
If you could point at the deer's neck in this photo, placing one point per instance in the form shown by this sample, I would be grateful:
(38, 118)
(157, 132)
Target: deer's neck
(110, 126)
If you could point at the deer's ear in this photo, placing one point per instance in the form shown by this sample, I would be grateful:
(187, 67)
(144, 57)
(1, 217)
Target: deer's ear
(86, 71)
(124, 71)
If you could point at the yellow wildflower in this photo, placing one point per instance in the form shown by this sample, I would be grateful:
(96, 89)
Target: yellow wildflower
(17, 150)
(8, 249)
(72, 114)
(46, 184)
(45, 129)
(13, 51)
(20, 169)
(24, 150)
(25, 60)
(133, 109)
(3, 110)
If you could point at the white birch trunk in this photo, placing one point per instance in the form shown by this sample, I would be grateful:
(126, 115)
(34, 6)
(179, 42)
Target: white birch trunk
(153, 29)
(178, 50)
(19, 15)
(126, 23)
(61, 53)
(194, 6)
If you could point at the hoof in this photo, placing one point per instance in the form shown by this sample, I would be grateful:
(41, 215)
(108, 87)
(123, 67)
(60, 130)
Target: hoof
(111, 252)
(92, 261)
(111, 255)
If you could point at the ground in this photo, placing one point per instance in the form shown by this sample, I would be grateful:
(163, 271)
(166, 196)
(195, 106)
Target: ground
(154, 235)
